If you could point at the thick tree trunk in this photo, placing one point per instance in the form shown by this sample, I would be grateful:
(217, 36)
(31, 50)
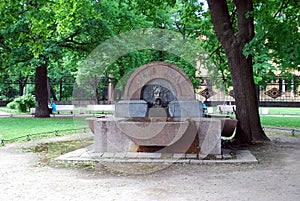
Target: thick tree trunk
(41, 92)
(249, 128)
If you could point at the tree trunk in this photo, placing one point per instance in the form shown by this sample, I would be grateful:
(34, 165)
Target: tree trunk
(60, 88)
(21, 88)
(22, 84)
(249, 127)
(41, 92)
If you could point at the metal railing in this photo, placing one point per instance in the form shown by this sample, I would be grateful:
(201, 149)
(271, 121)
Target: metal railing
(33, 136)
(293, 131)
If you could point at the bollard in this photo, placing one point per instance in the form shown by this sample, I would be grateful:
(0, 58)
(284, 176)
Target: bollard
(293, 132)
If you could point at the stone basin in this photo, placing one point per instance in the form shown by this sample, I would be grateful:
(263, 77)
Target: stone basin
(228, 126)
(152, 131)
(158, 133)
(173, 135)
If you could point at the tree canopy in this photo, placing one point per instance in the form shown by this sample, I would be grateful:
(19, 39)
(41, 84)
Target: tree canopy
(66, 32)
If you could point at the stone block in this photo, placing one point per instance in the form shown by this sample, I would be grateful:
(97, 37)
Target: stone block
(109, 138)
(227, 156)
(131, 109)
(132, 154)
(158, 112)
(179, 155)
(191, 156)
(108, 155)
(185, 108)
(149, 155)
(209, 133)
(120, 155)
(196, 162)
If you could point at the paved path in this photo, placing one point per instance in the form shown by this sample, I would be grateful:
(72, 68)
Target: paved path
(227, 157)
(275, 178)
(4, 114)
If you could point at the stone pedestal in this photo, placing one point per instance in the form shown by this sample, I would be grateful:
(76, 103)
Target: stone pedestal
(158, 112)
(120, 135)
(109, 138)
(185, 108)
(131, 109)
(209, 133)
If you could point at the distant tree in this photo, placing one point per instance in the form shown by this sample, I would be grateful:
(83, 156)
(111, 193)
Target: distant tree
(34, 33)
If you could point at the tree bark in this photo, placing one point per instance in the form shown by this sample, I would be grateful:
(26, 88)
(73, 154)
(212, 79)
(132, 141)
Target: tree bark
(41, 92)
(249, 127)
(22, 84)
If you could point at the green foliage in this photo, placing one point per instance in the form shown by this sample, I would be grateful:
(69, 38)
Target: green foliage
(62, 33)
(22, 103)
(13, 105)
(276, 44)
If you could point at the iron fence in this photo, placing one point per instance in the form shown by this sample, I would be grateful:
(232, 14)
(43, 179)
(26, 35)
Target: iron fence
(283, 90)
(33, 136)
(292, 131)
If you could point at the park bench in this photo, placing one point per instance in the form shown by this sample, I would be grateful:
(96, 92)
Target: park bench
(100, 108)
(59, 108)
(226, 109)
(32, 111)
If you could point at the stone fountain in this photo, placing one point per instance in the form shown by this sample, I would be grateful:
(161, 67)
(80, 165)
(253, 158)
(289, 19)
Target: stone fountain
(159, 113)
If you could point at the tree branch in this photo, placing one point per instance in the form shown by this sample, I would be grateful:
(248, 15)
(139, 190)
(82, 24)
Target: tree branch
(70, 39)
(283, 5)
(215, 51)
(221, 21)
(177, 26)
(3, 45)
(73, 47)
(245, 24)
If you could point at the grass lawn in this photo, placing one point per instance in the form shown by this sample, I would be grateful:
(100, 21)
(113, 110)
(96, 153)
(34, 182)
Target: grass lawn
(283, 110)
(285, 122)
(8, 110)
(12, 127)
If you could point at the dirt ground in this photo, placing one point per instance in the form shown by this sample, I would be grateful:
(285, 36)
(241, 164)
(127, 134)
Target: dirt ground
(276, 177)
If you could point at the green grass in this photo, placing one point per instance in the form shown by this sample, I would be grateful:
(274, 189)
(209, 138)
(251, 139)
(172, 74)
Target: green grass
(285, 122)
(8, 110)
(47, 152)
(283, 110)
(12, 127)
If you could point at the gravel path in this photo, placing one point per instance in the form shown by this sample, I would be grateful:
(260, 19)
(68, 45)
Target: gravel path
(276, 177)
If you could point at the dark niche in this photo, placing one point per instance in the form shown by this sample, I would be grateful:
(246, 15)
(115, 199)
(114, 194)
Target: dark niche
(157, 95)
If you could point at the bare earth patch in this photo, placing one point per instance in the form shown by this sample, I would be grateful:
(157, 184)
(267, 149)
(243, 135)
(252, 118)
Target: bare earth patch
(276, 177)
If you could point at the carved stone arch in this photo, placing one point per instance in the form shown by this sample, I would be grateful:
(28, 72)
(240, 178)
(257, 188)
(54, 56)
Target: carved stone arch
(148, 73)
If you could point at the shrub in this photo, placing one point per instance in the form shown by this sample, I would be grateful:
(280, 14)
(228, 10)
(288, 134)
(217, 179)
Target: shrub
(22, 103)
(12, 105)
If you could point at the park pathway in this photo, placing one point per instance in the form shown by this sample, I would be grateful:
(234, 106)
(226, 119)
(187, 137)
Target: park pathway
(4, 114)
(276, 177)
